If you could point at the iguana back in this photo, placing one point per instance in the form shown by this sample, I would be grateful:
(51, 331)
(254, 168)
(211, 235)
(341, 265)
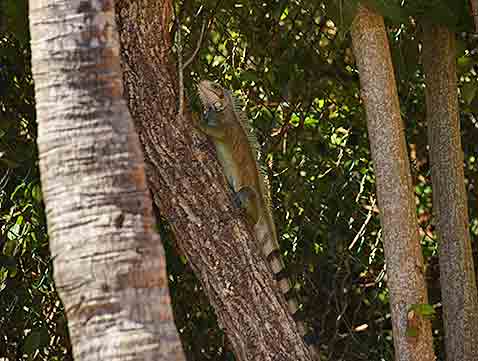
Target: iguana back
(238, 152)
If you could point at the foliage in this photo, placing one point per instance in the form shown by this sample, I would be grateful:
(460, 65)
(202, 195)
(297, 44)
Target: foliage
(292, 64)
(14, 19)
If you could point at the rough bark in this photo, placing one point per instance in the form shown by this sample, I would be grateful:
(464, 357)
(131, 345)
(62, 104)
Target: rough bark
(403, 254)
(474, 13)
(192, 195)
(109, 265)
(457, 276)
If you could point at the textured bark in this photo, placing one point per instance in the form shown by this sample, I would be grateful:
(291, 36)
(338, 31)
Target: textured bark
(394, 187)
(109, 265)
(474, 13)
(457, 275)
(191, 193)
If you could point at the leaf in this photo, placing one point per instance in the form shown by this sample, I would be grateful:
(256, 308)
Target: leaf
(464, 64)
(15, 15)
(281, 10)
(468, 92)
(9, 163)
(17, 189)
(424, 310)
(342, 13)
(388, 9)
(9, 263)
(450, 13)
(32, 342)
(248, 76)
(14, 232)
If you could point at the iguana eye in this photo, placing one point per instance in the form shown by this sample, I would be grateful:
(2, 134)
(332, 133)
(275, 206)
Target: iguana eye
(218, 106)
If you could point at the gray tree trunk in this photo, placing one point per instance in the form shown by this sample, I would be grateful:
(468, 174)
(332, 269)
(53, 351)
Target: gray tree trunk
(405, 276)
(109, 264)
(191, 193)
(457, 274)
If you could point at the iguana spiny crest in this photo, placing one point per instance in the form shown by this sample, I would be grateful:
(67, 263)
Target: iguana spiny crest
(237, 151)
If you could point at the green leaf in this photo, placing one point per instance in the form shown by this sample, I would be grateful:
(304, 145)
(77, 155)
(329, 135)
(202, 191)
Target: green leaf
(248, 76)
(9, 263)
(14, 232)
(423, 309)
(8, 162)
(15, 14)
(390, 9)
(468, 92)
(32, 342)
(17, 189)
(451, 13)
(342, 13)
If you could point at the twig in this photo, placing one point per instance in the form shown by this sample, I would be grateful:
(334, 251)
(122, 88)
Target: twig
(198, 46)
(362, 229)
(181, 65)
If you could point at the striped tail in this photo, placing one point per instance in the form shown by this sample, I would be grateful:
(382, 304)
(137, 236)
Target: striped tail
(270, 250)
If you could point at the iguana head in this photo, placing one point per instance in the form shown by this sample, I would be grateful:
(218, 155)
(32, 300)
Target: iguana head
(213, 96)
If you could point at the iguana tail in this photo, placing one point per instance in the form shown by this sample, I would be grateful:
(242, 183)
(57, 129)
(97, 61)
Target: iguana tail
(270, 249)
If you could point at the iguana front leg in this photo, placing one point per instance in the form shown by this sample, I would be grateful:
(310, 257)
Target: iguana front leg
(247, 199)
(209, 125)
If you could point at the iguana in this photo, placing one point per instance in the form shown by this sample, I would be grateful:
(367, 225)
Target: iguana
(237, 150)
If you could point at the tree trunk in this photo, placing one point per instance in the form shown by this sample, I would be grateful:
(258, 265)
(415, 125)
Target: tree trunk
(109, 265)
(474, 13)
(411, 332)
(457, 275)
(192, 194)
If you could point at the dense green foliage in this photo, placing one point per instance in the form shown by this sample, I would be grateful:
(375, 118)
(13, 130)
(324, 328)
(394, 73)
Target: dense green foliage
(291, 63)
(294, 69)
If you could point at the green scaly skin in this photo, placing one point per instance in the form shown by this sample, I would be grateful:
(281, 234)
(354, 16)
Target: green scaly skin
(237, 151)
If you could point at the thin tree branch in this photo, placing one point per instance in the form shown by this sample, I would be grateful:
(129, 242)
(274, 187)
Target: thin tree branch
(198, 46)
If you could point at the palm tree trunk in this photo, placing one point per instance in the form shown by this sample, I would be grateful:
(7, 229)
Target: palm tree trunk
(109, 265)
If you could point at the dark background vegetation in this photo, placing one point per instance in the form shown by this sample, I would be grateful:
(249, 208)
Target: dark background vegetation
(291, 62)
